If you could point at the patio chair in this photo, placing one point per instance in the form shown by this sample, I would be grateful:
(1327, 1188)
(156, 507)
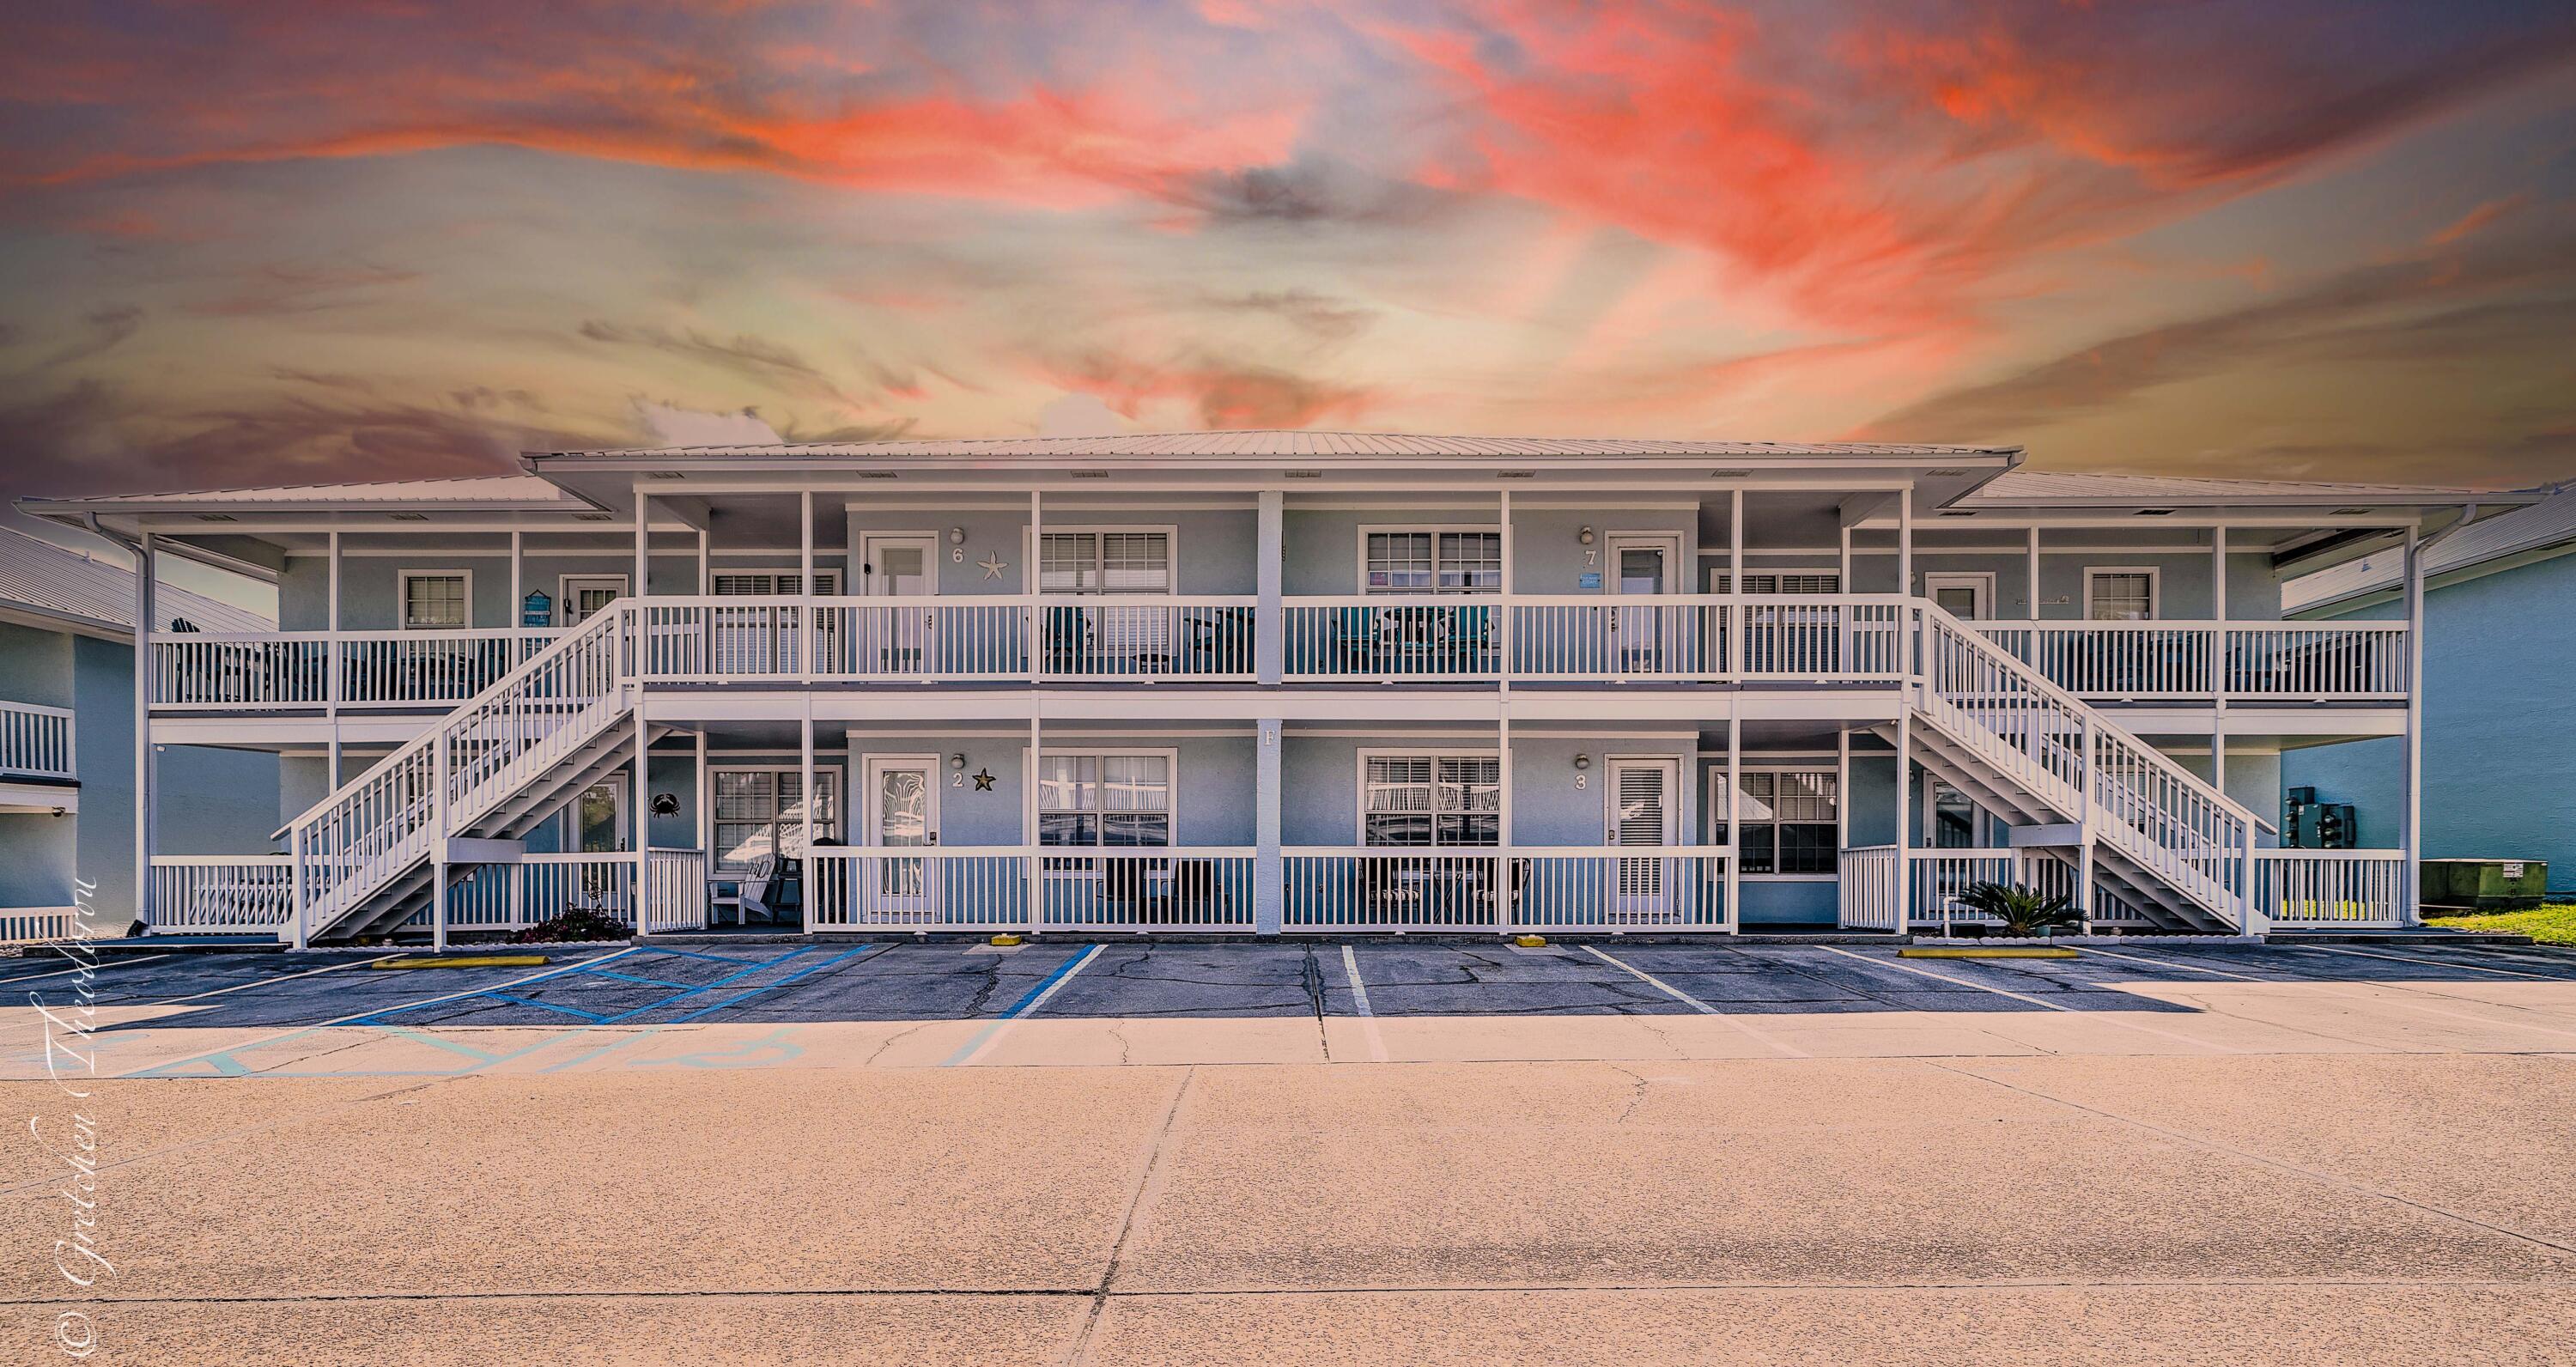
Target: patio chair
(1068, 641)
(1199, 893)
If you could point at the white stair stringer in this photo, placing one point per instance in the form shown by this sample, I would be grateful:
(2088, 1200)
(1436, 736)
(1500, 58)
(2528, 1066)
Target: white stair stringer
(359, 848)
(2169, 841)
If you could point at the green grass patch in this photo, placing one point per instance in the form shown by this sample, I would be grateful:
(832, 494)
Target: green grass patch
(2554, 924)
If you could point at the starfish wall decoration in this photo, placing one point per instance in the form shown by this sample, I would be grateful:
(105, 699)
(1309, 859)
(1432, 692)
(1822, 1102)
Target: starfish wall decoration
(992, 565)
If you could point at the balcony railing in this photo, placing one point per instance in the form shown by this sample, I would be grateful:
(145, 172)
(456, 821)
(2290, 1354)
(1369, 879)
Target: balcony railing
(1670, 638)
(2249, 661)
(36, 742)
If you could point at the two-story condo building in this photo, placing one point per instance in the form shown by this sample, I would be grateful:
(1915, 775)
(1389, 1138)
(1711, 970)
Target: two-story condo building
(1278, 683)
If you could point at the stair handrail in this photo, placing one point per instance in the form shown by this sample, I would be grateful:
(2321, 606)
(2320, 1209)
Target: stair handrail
(2105, 731)
(427, 749)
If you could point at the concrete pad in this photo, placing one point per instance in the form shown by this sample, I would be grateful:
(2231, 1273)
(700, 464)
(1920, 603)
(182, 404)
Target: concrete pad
(632, 1331)
(1047, 1042)
(666, 1181)
(2333, 1013)
(134, 1120)
(1449, 1176)
(1456, 1039)
(2154, 1326)
(2492, 1137)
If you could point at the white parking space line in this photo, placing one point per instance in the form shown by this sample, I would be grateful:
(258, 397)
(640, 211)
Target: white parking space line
(2089, 951)
(1359, 998)
(82, 968)
(1694, 1003)
(2437, 963)
(2037, 1001)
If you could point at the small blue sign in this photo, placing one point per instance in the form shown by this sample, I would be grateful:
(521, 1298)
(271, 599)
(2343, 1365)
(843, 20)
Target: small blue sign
(1590, 581)
(537, 610)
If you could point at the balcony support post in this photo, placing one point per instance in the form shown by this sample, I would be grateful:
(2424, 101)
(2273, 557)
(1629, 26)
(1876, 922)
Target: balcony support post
(1503, 538)
(2031, 570)
(1734, 810)
(1269, 566)
(1738, 620)
(146, 570)
(1029, 791)
(2410, 884)
(1904, 889)
(643, 543)
(335, 663)
(1269, 886)
(2218, 660)
(805, 622)
(1031, 585)
(1502, 883)
(1905, 542)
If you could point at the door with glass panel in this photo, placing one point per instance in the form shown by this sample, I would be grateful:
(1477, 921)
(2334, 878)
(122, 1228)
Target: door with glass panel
(1642, 567)
(898, 642)
(598, 826)
(1643, 815)
(902, 814)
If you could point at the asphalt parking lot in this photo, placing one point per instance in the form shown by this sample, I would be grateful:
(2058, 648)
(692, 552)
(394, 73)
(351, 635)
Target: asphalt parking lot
(903, 980)
(1381, 1152)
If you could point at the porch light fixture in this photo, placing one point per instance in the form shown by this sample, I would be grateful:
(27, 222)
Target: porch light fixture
(1584, 533)
(957, 761)
(1582, 761)
(956, 536)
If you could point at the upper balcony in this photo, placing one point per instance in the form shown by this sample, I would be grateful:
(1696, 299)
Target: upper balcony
(1222, 640)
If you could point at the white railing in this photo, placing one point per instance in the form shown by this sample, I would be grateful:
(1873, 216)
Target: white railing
(352, 669)
(675, 891)
(1865, 891)
(924, 639)
(1120, 636)
(36, 925)
(2332, 887)
(2168, 660)
(1851, 637)
(942, 888)
(1388, 636)
(350, 844)
(1183, 888)
(1350, 888)
(1665, 890)
(2154, 811)
(226, 894)
(535, 890)
(1592, 636)
(36, 741)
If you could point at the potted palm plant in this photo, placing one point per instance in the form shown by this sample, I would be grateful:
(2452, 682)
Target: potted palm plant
(2019, 912)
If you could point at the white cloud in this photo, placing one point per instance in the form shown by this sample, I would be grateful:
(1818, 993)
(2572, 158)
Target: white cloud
(671, 425)
(1079, 415)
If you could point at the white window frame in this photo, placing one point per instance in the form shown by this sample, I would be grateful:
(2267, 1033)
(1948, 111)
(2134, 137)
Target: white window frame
(1434, 753)
(1171, 757)
(1727, 813)
(563, 592)
(2155, 588)
(832, 777)
(1715, 573)
(1360, 554)
(1983, 581)
(822, 573)
(1170, 532)
(1680, 819)
(402, 598)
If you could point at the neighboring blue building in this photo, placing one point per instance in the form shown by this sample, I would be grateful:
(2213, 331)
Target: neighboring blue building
(67, 741)
(2499, 691)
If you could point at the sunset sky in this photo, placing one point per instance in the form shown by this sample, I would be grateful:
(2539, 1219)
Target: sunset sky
(273, 242)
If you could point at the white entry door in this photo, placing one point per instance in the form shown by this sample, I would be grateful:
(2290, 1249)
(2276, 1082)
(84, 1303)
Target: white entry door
(1644, 814)
(584, 594)
(1965, 596)
(1642, 567)
(902, 813)
(899, 641)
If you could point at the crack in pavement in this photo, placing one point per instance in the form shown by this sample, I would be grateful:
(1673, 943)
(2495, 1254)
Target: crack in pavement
(1148, 1184)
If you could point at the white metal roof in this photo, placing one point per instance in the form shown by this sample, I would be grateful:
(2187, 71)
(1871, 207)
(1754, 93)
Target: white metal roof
(2017, 488)
(2550, 522)
(475, 489)
(1292, 443)
(59, 582)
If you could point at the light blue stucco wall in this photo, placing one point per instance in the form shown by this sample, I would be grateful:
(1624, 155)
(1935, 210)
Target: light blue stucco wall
(211, 801)
(2185, 585)
(2499, 727)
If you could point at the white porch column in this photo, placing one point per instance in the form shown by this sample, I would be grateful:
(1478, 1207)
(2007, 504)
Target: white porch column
(1503, 825)
(706, 802)
(805, 617)
(1735, 542)
(335, 662)
(1503, 521)
(1269, 648)
(2410, 891)
(805, 763)
(1842, 806)
(643, 543)
(1029, 585)
(1029, 805)
(706, 577)
(518, 586)
(1905, 541)
(1269, 883)
(146, 568)
(2033, 585)
(1734, 811)
(2218, 661)
(1905, 806)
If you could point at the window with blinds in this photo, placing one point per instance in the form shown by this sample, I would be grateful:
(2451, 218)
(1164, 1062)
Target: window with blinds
(774, 583)
(1120, 801)
(762, 811)
(1433, 562)
(1799, 583)
(1431, 800)
(1786, 820)
(435, 602)
(2119, 595)
(1105, 562)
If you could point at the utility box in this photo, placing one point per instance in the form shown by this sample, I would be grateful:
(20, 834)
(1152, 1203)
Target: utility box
(2484, 884)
